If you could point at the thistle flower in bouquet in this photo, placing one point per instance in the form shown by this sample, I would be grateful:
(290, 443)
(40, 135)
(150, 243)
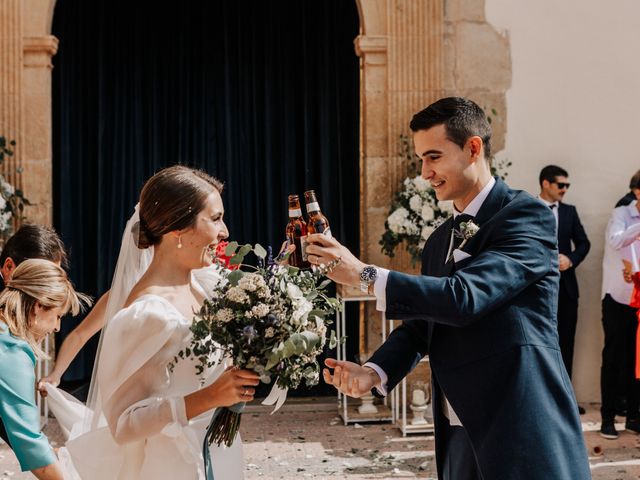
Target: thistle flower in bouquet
(271, 319)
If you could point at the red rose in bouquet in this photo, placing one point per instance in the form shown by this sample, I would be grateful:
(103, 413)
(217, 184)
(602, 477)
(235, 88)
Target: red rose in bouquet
(221, 258)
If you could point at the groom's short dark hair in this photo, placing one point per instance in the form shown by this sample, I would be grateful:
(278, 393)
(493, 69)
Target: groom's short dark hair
(461, 117)
(34, 241)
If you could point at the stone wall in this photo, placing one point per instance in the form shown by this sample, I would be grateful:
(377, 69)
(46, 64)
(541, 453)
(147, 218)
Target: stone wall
(26, 48)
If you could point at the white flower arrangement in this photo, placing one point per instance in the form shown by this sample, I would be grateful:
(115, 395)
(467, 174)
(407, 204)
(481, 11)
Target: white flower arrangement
(415, 214)
(12, 200)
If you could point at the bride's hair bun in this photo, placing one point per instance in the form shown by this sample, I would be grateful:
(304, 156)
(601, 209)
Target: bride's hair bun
(144, 238)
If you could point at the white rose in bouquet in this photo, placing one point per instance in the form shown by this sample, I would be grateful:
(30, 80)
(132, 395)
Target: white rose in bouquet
(397, 220)
(427, 213)
(421, 184)
(415, 203)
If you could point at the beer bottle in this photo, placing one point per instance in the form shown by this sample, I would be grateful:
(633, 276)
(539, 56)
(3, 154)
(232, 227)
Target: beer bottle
(317, 222)
(296, 229)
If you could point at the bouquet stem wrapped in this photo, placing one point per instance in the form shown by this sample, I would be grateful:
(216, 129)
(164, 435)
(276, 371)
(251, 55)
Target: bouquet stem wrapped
(224, 425)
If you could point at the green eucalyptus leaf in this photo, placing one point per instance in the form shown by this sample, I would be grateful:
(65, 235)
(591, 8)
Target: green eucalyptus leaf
(273, 360)
(237, 259)
(230, 250)
(259, 251)
(234, 277)
(333, 340)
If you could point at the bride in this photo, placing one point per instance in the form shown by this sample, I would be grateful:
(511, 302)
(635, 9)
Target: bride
(144, 420)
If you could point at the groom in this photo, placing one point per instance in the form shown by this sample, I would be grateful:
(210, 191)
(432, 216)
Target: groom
(484, 309)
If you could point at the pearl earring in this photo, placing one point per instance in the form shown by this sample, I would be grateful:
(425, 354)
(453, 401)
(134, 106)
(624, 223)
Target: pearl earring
(179, 241)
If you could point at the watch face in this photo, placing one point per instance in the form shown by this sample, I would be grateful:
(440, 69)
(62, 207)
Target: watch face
(369, 274)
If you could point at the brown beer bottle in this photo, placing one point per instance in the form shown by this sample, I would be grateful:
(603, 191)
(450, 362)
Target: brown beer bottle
(296, 229)
(317, 223)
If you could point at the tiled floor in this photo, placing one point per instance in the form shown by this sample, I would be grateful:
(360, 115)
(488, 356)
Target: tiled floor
(296, 444)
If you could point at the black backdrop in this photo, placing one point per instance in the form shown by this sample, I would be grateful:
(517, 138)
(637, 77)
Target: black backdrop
(262, 94)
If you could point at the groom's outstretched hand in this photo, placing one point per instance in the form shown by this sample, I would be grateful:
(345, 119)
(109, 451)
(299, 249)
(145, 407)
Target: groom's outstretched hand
(323, 250)
(350, 378)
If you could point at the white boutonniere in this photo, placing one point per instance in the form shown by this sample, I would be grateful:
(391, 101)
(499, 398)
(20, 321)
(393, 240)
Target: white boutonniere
(467, 230)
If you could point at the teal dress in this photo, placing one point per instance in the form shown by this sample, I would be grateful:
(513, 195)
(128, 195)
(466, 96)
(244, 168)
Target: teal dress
(18, 409)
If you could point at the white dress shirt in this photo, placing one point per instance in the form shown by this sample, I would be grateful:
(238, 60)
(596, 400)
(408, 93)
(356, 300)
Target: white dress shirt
(380, 286)
(622, 231)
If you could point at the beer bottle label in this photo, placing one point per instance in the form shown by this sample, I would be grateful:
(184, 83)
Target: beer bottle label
(313, 207)
(295, 213)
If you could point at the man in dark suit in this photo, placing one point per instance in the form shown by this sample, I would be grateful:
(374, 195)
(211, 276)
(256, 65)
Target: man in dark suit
(573, 246)
(30, 241)
(484, 309)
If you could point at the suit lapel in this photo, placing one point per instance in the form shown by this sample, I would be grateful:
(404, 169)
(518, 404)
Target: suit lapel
(435, 252)
(493, 203)
(434, 256)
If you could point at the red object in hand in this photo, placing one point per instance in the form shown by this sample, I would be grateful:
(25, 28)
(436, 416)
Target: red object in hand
(222, 259)
(635, 303)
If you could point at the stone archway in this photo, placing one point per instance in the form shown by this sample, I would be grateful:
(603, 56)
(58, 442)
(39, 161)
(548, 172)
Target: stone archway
(400, 46)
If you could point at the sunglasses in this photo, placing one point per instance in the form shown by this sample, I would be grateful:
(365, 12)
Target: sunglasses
(562, 185)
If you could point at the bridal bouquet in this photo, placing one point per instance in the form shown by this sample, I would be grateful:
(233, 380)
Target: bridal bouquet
(271, 319)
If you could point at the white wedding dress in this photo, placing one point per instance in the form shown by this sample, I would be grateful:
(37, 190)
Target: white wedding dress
(141, 431)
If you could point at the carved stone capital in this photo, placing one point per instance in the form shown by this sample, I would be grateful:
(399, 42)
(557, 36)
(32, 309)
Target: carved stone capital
(370, 44)
(39, 50)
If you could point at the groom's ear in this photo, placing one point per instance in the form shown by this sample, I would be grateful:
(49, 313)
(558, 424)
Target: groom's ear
(475, 147)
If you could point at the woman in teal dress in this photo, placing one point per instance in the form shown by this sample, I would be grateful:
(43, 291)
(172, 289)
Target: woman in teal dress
(37, 296)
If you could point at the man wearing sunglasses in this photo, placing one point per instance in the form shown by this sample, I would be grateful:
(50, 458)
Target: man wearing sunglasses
(573, 246)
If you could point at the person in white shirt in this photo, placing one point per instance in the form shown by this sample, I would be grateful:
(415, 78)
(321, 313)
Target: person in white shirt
(619, 319)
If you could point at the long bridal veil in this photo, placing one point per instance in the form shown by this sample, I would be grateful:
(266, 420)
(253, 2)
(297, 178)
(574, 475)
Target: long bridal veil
(132, 263)
(74, 418)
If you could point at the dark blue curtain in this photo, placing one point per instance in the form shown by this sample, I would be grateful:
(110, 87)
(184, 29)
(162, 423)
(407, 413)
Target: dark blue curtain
(261, 94)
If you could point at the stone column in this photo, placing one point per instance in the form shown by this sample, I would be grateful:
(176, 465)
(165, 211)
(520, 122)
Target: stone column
(25, 99)
(37, 152)
(400, 47)
(11, 120)
(401, 73)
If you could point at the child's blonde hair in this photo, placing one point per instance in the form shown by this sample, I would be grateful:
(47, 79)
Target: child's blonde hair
(37, 281)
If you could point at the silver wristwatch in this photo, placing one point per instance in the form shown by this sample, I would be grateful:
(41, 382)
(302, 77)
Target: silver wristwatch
(368, 276)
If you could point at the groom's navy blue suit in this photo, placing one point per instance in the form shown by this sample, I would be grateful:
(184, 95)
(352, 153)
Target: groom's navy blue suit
(489, 326)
